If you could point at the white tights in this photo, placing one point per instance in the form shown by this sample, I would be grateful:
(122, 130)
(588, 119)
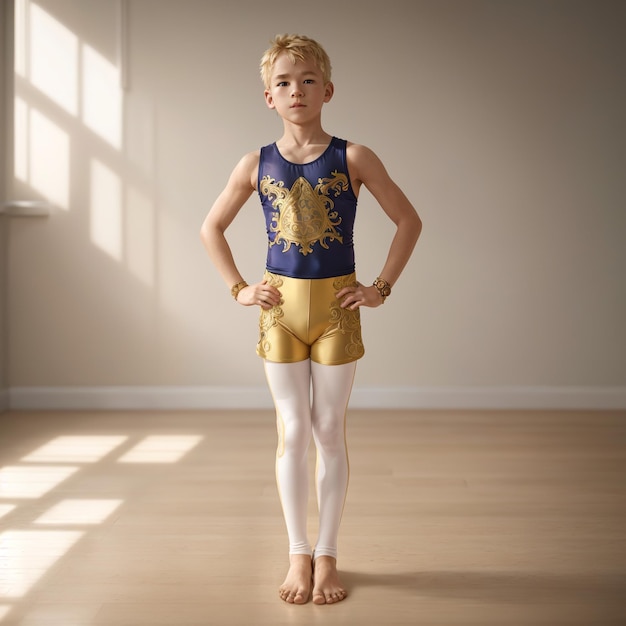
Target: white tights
(299, 417)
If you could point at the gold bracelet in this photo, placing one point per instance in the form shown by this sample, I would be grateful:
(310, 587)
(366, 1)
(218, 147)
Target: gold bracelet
(383, 287)
(235, 289)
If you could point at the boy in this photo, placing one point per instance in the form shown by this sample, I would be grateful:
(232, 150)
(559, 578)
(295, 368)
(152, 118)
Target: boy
(309, 298)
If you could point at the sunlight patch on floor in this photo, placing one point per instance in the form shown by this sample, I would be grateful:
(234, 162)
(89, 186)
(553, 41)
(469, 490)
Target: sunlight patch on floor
(28, 554)
(76, 449)
(5, 509)
(161, 449)
(78, 512)
(32, 482)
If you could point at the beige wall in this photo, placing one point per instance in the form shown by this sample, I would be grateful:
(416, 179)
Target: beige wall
(502, 121)
(6, 17)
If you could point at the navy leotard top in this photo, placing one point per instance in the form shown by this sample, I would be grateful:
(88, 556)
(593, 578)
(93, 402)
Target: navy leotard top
(309, 212)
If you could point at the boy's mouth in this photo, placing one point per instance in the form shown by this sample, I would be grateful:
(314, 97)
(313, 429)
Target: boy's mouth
(296, 105)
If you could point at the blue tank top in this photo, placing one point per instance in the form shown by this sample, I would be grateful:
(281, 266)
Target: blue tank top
(310, 210)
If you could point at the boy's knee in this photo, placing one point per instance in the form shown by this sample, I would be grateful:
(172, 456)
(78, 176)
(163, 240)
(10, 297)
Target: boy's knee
(329, 431)
(295, 435)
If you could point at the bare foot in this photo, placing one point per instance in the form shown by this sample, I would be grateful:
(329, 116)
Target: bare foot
(327, 589)
(297, 586)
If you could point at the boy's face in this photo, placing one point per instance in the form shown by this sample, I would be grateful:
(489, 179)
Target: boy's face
(297, 91)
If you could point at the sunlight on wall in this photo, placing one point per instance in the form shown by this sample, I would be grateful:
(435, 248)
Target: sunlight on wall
(76, 512)
(46, 53)
(140, 230)
(106, 209)
(28, 554)
(49, 159)
(20, 139)
(161, 449)
(19, 482)
(75, 449)
(101, 96)
(74, 76)
(19, 42)
(53, 51)
(41, 154)
(4, 611)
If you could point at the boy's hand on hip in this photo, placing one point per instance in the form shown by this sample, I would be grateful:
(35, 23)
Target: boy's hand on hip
(354, 297)
(261, 294)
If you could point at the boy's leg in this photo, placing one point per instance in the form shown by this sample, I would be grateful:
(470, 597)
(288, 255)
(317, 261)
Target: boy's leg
(332, 385)
(290, 385)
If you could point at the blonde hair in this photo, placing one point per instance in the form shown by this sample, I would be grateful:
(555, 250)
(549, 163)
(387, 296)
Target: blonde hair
(298, 48)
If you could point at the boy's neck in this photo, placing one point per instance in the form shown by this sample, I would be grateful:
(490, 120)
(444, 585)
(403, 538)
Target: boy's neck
(303, 148)
(301, 136)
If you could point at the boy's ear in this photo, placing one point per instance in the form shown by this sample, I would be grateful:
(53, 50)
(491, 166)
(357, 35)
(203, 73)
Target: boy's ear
(268, 99)
(330, 90)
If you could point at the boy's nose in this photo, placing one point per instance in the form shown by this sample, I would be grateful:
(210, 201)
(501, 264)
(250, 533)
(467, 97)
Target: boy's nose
(296, 91)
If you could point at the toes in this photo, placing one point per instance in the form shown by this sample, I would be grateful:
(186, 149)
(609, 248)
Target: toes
(319, 598)
(286, 595)
(299, 596)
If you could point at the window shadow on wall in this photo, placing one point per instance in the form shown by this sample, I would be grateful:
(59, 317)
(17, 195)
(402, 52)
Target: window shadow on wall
(70, 144)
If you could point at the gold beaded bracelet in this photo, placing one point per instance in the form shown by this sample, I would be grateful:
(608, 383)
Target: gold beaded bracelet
(383, 287)
(235, 289)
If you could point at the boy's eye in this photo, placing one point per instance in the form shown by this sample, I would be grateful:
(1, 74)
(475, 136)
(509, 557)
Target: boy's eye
(309, 81)
(282, 83)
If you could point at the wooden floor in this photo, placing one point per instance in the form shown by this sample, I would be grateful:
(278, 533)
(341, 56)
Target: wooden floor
(452, 518)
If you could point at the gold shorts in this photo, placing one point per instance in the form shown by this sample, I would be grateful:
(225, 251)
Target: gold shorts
(310, 323)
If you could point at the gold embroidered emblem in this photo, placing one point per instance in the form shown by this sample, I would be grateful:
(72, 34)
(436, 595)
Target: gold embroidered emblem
(347, 322)
(304, 215)
(269, 317)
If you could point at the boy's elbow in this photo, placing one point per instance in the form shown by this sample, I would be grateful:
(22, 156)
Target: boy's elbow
(414, 224)
(418, 225)
(205, 232)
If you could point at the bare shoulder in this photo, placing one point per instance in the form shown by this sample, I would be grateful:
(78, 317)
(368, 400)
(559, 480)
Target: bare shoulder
(363, 162)
(357, 152)
(246, 170)
(251, 159)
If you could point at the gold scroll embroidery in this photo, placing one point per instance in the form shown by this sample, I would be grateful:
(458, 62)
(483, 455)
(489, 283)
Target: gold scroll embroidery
(304, 216)
(348, 322)
(269, 317)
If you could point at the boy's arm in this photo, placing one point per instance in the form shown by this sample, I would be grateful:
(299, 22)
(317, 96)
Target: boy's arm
(366, 168)
(238, 189)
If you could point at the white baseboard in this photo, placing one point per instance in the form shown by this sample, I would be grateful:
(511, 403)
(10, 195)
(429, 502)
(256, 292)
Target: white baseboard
(207, 398)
